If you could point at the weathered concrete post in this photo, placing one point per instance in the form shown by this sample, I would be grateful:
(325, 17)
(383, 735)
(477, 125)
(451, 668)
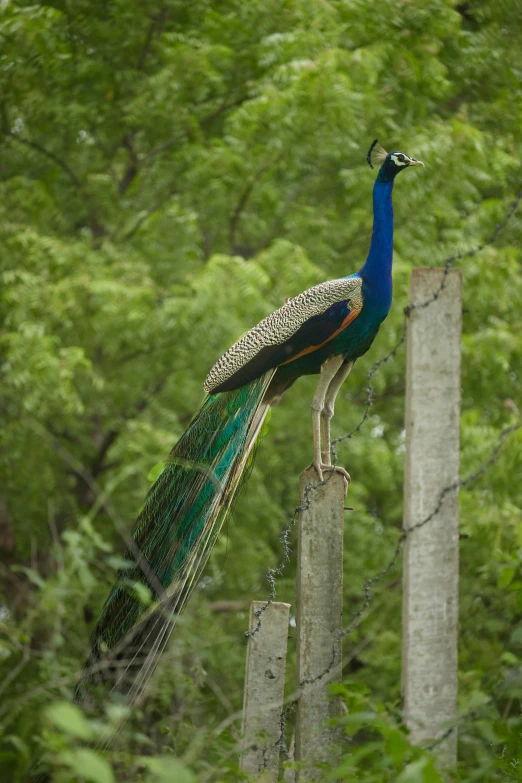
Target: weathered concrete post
(431, 557)
(264, 690)
(319, 599)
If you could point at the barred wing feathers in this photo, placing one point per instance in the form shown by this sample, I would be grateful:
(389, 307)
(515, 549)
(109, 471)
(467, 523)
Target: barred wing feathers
(300, 326)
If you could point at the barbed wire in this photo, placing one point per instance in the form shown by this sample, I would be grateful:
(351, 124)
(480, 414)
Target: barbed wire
(446, 265)
(475, 713)
(304, 505)
(371, 581)
(284, 538)
(273, 573)
(368, 584)
(472, 477)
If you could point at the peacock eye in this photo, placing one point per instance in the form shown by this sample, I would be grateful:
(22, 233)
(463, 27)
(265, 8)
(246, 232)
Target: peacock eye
(400, 157)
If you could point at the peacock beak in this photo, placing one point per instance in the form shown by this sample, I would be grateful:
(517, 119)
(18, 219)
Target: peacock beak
(414, 162)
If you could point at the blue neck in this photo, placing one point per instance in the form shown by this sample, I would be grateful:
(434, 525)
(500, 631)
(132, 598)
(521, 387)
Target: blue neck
(376, 272)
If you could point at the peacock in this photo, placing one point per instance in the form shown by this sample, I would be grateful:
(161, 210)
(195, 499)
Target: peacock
(323, 331)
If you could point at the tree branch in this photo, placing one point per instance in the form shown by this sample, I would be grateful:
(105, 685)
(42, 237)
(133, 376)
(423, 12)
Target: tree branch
(157, 23)
(133, 165)
(146, 46)
(203, 121)
(96, 227)
(97, 465)
(51, 155)
(143, 217)
(224, 107)
(243, 200)
(107, 442)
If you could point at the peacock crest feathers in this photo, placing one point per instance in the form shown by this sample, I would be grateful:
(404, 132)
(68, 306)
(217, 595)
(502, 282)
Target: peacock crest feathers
(376, 155)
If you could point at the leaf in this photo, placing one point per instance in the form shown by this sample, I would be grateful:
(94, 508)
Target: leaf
(516, 635)
(420, 771)
(505, 576)
(19, 744)
(396, 745)
(70, 720)
(120, 563)
(116, 713)
(88, 765)
(141, 592)
(155, 472)
(167, 770)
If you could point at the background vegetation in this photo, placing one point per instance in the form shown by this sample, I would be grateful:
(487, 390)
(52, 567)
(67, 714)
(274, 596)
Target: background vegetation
(170, 172)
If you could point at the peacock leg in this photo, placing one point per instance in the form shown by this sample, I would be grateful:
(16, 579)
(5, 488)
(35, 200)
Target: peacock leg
(328, 372)
(328, 411)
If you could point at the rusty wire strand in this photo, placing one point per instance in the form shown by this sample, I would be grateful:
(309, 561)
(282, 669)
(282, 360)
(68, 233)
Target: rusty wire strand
(367, 587)
(284, 538)
(447, 265)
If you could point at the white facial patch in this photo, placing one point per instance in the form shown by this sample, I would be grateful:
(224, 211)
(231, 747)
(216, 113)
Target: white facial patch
(399, 162)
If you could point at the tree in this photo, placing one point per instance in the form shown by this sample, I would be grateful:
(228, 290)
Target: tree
(170, 172)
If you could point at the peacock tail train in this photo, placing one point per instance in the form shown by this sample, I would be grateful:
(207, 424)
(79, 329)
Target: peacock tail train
(176, 530)
(323, 330)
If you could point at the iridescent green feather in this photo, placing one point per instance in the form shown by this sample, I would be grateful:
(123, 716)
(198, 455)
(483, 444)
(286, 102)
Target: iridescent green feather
(176, 530)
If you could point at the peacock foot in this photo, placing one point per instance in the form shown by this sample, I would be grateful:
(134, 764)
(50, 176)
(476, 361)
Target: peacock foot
(321, 467)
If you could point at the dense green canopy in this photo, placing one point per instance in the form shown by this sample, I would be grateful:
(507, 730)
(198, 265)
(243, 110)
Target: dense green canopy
(170, 172)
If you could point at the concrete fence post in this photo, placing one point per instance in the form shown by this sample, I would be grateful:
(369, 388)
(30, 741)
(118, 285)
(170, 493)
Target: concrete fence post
(431, 556)
(319, 604)
(264, 690)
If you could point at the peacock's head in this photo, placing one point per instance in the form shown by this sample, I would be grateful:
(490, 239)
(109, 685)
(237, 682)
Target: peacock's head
(391, 163)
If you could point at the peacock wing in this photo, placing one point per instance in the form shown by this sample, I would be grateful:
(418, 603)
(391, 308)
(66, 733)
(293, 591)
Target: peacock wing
(300, 326)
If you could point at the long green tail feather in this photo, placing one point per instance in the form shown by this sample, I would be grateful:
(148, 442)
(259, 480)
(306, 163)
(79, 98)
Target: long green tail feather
(175, 533)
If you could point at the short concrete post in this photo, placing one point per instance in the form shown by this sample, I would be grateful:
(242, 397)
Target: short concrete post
(264, 690)
(430, 606)
(319, 599)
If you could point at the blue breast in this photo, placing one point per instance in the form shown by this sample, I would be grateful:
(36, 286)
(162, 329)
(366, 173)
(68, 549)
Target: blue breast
(358, 337)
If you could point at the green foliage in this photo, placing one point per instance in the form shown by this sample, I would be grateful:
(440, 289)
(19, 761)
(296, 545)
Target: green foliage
(380, 749)
(170, 172)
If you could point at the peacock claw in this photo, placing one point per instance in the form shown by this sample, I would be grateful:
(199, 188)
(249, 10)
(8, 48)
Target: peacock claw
(321, 467)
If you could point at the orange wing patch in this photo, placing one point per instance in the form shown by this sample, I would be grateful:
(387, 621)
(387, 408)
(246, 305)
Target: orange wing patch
(352, 315)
